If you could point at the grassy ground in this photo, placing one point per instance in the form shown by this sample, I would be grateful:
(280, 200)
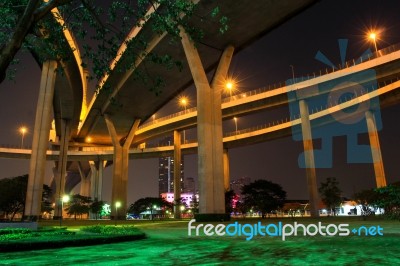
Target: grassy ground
(168, 243)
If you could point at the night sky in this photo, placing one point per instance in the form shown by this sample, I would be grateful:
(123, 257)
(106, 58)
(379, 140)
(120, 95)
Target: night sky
(265, 62)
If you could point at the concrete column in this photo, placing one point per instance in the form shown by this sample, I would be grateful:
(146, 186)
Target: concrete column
(217, 86)
(96, 182)
(120, 169)
(44, 112)
(227, 178)
(204, 127)
(375, 150)
(61, 167)
(85, 182)
(309, 158)
(177, 173)
(96, 179)
(209, 128)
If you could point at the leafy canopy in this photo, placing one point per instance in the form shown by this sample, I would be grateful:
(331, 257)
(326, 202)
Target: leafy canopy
(264, 196)
(99, 27)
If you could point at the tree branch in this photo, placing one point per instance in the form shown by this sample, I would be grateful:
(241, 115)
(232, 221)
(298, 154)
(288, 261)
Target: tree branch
(9, 50)
(47, 7)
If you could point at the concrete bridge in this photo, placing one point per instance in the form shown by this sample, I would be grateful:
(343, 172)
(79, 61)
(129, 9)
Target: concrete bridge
(120, 127)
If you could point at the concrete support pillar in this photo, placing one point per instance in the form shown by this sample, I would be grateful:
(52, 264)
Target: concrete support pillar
(120, 169)
(376, 150)
(177, 173)
(209, 127)
(309, 158)
(44, 112)
(96, 179)
(227, 178)
(85, 182)
(96, 182)
(61, 172)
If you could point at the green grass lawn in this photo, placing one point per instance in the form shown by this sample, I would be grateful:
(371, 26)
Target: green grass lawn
(168, 243)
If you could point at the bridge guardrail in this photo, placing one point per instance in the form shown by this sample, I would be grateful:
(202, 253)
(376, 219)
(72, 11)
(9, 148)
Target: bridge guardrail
(236, 96)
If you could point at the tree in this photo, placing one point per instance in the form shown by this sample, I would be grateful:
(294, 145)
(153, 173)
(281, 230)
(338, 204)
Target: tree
(100, 26)
(366, 199)
(46, 199)
(264, 196)
(229, 196)
(330, 193)
(144, 204)
(12, 195)
(388, 198)
(96, 207)
(195, 204)
(79, 205)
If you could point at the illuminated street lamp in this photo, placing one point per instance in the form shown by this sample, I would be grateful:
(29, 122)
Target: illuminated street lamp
(117, 205)
(184, 102)
(373, 36)
(229, 87)
(23, 131)
(65, 199)
(235, 119)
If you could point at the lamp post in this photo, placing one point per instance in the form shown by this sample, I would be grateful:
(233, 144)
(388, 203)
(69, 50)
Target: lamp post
(117, 205)
(23, 131)
(154, 208)
(183, 102)
(235, 119)
(372, 36)
(64, 198)
(292, 67)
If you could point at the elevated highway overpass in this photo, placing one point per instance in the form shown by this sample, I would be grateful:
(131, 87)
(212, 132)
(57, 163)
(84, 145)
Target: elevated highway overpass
(119, 125)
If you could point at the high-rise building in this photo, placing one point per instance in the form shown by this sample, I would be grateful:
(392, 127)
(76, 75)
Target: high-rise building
(189, 185)
(166, 171)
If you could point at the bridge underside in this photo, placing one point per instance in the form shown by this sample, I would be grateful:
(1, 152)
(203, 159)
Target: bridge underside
(248, 21)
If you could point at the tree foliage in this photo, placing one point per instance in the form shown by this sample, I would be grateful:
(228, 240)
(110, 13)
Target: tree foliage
(148, 203)
(229, 196)
(263, 196)
(46, 199)
(388, 198)
(79, 205)
(96, 207)
(13, 196)
(330, 193)
(100, 28)
(366, 199)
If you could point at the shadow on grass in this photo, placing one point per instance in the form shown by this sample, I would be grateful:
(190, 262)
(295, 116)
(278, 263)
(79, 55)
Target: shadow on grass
(60, 238)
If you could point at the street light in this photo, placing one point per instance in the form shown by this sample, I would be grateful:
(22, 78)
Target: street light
(229, 86)
(373, 36)
(292, 72)
(184, 102)
(117, 205)
(65, 199)
(182, 208)
(235, 119)
(154, 208)
(23, 131)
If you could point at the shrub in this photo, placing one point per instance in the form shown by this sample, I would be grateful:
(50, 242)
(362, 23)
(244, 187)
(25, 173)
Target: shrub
(109, 230)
